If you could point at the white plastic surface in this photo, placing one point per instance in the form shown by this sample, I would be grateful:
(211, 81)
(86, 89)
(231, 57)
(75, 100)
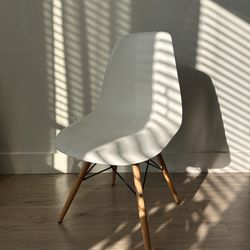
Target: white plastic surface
(139, 109)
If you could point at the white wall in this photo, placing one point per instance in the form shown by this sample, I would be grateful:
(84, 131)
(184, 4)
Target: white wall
(52, 59)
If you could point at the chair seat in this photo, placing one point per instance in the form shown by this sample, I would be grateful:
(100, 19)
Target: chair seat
(139, 109)
(106, 139)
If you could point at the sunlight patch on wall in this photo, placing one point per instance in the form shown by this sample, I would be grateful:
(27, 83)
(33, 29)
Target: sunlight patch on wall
(74, 55)
(60, 81)
(97, 18)
(56, 76)
(223, 52)
(122, 19)
(106, 21)
(48, 30)
(61, 90)
(79, 37)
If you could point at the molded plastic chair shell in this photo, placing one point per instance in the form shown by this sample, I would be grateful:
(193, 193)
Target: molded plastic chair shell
(139, 109)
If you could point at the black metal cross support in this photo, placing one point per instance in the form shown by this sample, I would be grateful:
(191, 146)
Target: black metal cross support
(87, 177)
(150, 163)
(133, 191)
(154, 164)
(145, 175)
(91, 168)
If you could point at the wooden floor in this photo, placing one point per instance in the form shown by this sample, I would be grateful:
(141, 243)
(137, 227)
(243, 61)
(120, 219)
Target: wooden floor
(215, 213)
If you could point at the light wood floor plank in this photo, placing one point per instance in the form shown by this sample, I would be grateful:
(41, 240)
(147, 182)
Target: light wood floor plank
(214, 215)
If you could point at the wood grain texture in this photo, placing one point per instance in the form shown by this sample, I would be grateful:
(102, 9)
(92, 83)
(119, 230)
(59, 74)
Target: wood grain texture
(141, 206)
(73, 191)
(214, 214)
(168, 179)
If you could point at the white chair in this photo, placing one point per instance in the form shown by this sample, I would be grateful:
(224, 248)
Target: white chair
(138, 112)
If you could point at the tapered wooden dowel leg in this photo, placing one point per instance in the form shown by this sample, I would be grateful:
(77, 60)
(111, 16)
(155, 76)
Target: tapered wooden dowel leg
(168, 179)
(114, 175)
(141, 206)
(73, 191)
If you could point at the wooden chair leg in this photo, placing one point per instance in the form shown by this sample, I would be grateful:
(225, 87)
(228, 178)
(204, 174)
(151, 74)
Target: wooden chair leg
(74, 190)
(141, 206)
(114, 175)
(168, 179)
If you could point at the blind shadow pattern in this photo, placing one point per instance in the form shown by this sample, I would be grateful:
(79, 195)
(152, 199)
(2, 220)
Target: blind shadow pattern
(76, 59)
(79, 39)
(223, 53)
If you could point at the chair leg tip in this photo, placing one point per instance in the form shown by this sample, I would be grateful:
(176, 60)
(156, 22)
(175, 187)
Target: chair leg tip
(177, 200)
(59, 221)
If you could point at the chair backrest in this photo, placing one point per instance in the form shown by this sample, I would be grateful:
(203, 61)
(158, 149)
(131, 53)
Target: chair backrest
(141, 83)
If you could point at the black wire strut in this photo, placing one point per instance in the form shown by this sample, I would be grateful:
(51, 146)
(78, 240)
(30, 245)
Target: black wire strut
(127, 184)
(149, 163)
